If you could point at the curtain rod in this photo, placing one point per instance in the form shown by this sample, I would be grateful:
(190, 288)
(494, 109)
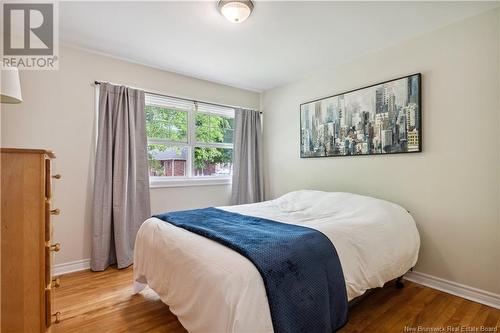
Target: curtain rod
(185, 99)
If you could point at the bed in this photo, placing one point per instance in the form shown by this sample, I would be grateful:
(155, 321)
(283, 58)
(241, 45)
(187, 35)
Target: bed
(211, 288)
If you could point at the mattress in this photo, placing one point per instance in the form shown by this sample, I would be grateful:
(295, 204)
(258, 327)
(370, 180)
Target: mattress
(212, 288)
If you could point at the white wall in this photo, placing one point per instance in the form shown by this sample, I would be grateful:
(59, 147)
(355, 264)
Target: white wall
(452, 188)
(57, 113)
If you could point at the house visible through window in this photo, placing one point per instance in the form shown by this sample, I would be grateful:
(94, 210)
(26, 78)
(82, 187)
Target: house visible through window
(188, 140)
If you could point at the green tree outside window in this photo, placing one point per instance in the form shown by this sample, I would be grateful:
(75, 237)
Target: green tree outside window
(170, 124)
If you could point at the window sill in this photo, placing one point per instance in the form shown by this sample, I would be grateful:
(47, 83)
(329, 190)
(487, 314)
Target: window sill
(187, 182)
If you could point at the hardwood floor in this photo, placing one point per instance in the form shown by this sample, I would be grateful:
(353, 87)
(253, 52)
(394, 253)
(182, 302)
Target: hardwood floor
(103, 302)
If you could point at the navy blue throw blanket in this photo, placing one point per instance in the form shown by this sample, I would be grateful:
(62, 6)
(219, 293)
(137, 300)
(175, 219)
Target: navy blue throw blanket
(300, 267)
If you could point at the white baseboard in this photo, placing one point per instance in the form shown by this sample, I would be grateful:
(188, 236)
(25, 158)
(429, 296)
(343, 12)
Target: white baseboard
(454, 288)
(69, 267)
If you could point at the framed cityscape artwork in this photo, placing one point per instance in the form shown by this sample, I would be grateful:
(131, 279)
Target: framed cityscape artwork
(385, 118)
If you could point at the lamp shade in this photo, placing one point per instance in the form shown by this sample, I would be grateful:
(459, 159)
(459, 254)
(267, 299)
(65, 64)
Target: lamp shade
(11, 87)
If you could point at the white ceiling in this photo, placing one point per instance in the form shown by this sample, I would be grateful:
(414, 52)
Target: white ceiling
(279, 43)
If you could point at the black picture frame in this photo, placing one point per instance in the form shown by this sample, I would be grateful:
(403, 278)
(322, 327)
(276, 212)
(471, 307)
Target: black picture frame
(382, 117)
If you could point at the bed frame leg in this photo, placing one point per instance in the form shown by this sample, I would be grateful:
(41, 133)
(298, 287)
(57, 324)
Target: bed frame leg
(399, 283)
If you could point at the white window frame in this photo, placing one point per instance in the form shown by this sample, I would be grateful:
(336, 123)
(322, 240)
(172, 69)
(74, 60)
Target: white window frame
(191, 144)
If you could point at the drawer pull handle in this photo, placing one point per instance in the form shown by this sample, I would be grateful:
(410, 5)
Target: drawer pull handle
(56, 211)
(56, 282)
(55, 247)
(58, 176)
(57, 315)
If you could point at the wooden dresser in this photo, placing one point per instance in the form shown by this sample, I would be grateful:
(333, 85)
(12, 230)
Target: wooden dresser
(26, 258)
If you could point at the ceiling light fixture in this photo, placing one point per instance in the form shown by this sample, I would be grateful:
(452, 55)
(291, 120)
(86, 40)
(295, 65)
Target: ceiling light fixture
(235, 11)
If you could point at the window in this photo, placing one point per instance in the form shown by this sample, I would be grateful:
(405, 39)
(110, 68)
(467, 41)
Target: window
(189, 143)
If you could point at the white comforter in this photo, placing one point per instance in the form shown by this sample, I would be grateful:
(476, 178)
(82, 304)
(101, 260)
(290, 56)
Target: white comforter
(212, 288)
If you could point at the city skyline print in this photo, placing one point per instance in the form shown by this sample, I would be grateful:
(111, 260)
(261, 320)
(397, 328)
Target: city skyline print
(384, 118)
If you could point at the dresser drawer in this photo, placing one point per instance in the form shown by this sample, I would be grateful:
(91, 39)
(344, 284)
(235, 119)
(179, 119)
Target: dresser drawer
(48, 185)
(49, 316)
(48, 261)
(48, 266)
(48, 226)
(48, 307)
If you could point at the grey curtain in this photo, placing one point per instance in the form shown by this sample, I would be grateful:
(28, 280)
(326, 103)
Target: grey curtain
(248, 184)
(121, 184)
